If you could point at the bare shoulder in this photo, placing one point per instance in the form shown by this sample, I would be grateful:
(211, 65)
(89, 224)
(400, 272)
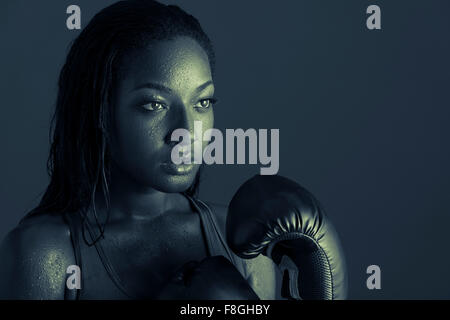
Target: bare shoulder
(35, 256)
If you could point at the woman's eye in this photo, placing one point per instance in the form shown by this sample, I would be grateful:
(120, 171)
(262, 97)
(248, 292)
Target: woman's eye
(153, 106)
(205, 103)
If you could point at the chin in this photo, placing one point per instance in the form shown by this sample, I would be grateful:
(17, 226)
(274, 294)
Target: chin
(174, 183)
(177, 184)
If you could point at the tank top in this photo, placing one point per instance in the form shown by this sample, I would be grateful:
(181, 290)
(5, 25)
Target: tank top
(215, 245)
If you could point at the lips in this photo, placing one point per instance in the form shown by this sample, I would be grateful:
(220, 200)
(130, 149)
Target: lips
(178, 169)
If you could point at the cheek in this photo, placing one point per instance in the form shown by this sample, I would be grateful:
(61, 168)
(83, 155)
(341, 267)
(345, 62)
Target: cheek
(207, 123)
(137, 141)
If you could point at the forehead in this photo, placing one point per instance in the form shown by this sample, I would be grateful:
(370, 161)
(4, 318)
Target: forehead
(179, 64)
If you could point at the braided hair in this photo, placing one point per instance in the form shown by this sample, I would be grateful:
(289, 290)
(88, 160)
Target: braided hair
(79, 163)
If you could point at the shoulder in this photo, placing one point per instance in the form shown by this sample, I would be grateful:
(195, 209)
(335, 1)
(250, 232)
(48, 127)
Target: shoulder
(35, 256)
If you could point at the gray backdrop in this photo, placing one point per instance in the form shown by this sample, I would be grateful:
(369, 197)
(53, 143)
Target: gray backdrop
(363, 118)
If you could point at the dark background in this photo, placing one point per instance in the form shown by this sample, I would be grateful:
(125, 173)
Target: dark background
(363, 118)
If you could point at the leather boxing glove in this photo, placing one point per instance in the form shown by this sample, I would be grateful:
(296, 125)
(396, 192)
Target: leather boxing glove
(214, 278)
(276, 217)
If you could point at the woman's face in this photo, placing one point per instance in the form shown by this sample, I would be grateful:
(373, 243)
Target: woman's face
(164, 87)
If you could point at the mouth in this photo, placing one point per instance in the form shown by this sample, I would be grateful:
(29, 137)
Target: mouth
(178, 169)
(186, 167)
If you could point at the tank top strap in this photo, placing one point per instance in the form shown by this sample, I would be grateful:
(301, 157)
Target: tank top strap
(111, 271)
(215, 243)
(78, 226)
(215, 240)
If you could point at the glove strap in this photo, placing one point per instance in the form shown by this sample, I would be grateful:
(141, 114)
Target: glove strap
(286, 264)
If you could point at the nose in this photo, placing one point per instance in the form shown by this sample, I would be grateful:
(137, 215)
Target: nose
(181, 117)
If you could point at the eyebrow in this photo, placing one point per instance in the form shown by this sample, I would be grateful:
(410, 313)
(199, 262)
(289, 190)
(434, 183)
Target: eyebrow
(163, 88)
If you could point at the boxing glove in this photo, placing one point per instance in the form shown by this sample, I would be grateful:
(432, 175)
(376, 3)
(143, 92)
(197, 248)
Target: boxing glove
(213, 278)
(276, 217)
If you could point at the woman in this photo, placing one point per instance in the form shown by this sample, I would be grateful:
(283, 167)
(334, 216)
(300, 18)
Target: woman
(116, 206)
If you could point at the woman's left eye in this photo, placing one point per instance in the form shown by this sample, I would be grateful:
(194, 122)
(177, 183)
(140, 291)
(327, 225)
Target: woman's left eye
(205, 103)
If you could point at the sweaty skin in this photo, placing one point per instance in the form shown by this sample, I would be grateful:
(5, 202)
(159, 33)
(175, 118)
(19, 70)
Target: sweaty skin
(152, 229)
(162, 88)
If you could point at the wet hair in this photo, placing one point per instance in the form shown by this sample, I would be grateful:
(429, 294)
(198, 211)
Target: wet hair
(78, 162)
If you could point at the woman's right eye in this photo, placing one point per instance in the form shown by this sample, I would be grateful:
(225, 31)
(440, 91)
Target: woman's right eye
(153, 106)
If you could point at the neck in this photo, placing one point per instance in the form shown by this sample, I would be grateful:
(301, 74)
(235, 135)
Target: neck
(131, 200)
